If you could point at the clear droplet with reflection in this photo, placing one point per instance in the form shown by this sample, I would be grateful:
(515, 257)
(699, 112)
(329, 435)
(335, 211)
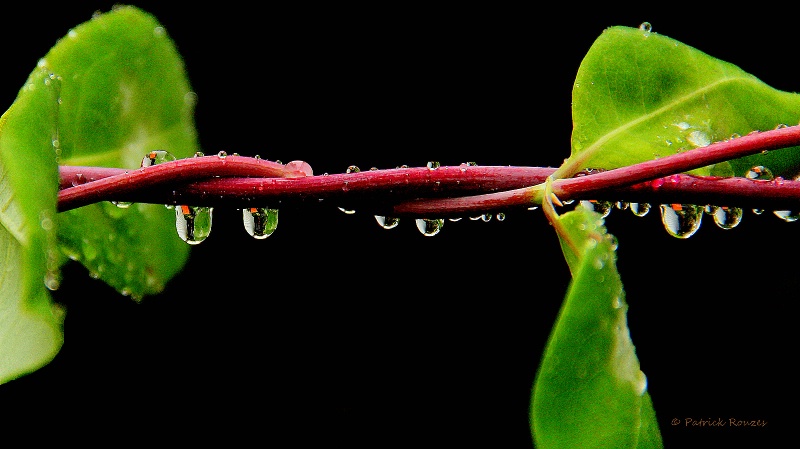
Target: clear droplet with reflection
(350, 169)
(601, 207)
(681, 220)
(787, 215)
(639, 209)
(260, 222)
(193, 223)
(157, 157)
(387, 222)
(759, 173)
(726, 217)
(429, 227)
(433, 165)
(487, 217)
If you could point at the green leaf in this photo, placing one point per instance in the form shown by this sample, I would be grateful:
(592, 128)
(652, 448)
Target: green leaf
(640, 96)
(31, 332)
(125, 93)
(589, 391)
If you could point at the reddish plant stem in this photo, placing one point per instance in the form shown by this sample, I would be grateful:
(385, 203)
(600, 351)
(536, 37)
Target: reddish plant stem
(238, 181)
(351, 189)
(85, 185)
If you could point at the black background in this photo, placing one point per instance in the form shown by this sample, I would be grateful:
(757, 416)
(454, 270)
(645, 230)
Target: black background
(336, 332)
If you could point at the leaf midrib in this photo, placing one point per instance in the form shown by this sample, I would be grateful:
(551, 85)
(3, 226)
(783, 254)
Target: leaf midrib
(575, 163)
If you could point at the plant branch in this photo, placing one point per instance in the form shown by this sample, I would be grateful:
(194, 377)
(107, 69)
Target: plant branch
(238, 181)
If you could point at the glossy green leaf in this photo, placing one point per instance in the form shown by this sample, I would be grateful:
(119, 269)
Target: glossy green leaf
(30, 324)
(124, 93)
(589, 391)
(639, 96)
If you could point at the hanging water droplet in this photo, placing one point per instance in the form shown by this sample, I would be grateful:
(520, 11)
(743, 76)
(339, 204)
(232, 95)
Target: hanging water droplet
(601, 207)
(429, 227)
(486, 217)
(788, 215)
(533, 207)
(347, 211)
(501, 216)
(193, 223)
(639, 209)
(387, 222)
(681, 220)
(432, 165)
(727, 217)
(157, 157)
(622, 205)
(260, 222)
(759, 173)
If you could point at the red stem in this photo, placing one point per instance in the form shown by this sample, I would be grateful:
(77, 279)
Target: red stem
(238, 181)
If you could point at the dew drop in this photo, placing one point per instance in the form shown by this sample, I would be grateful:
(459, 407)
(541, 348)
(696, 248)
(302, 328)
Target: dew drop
(432, 165)
(759, 173)
(193, 223)
(639, 209)
(387, 222)
(486, 217)
(681, 220)
(429, 227)
(698, 139)
(601, 207)
(727, 217)
(52, 280)
(787, 215)
(353, 169)
(157, 157)
(79, 179)
(646, 27)
(260, 222)
(122, 204)
(501, 216)
(222, 154)
(89, 250)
